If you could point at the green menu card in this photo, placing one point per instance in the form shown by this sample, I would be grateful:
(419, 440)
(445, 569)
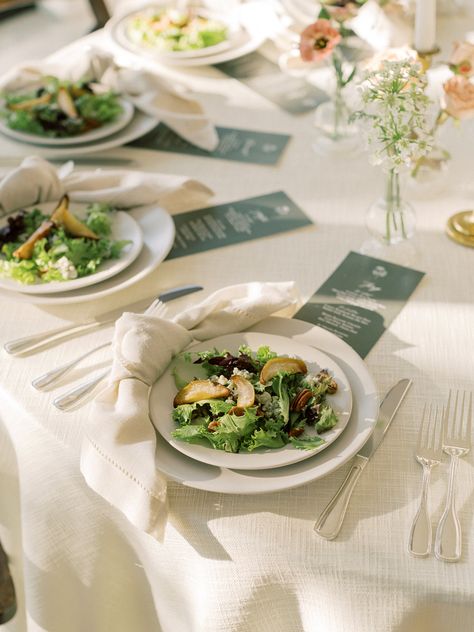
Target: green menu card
(235, 222)
(293, 94)
(241, 145)
(360, 299)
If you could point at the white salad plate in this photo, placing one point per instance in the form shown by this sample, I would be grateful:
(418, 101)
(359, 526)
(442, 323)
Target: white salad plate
(247, 34)
(91, 136)
(120, 28)
(158, 232)
(139, 125)
(124, 227)
(365, 404)
(164, 390)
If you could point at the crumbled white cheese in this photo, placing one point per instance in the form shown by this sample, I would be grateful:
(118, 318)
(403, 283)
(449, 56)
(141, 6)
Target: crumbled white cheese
(222, 380)
(242, 372)
(66, 268)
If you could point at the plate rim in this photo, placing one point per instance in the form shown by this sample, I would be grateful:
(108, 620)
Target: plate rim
(220, 480)
(254, 41)
(83, 139)
(250, 461)
(167, 228)
(55, 286)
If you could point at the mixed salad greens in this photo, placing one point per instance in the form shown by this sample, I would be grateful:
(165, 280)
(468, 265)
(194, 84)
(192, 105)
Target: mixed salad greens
(60, 109)
(253, 400)
(40, 248)
(172, 30)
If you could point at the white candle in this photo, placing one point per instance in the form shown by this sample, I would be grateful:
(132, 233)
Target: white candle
(425, 25)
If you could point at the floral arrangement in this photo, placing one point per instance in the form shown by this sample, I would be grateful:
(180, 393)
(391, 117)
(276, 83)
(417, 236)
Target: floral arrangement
(394, 112)
(395, 106)
(457, 100)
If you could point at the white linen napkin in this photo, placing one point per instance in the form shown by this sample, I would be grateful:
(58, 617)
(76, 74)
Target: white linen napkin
(118, 453)
(150, 93)
(37, 180)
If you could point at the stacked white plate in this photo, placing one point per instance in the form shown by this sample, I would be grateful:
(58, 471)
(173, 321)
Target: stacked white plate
(150, 230)
(129, 126)
(356, 404)
(247, 28)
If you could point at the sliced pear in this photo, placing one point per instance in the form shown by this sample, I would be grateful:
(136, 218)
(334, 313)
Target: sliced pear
(245, 391)
(279, 365)
(62, 216)
(66, 103)
(197, 390)
(25, 251)
(31, 103)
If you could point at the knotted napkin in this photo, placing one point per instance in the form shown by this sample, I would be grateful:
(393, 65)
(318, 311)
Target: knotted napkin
(118, 453)
(37, 180)
(172, 103)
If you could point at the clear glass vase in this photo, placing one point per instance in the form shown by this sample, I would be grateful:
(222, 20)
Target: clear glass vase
(334, 131)
(429, 176)
(391, 220)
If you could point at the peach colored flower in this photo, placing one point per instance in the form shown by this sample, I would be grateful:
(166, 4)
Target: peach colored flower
(459, 97)
(461, 61)
(318, 40)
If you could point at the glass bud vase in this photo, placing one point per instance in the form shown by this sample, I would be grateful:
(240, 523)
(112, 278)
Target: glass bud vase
(430, 173)
(390, 219)
(334, 131)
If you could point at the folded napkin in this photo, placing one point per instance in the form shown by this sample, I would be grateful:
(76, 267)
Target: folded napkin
(118, 453)
(150, 93)
(37, 180)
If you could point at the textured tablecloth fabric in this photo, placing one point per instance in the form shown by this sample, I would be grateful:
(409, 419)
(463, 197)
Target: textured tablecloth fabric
(118, 455)
(146, 90)
(37, 180)
(250, 563)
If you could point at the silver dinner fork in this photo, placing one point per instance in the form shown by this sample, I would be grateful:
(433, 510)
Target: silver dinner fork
(456, 443)
(72, 397)
(428, 454)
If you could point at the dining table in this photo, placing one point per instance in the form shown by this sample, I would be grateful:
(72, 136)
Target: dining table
(237, 559)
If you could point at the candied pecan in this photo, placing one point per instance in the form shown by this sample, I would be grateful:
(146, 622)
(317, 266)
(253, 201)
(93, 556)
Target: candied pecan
(301, 399)
(296, 432)
(212, 426)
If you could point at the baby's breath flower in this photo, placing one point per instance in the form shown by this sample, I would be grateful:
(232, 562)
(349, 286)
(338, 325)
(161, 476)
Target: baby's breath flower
(394, 114)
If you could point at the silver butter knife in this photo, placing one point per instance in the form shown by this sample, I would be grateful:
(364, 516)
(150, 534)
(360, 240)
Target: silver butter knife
(28, 343)
(330, 521)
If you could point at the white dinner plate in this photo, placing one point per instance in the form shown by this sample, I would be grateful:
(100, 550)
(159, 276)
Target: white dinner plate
(164, 390)
(244, 40)
(365, 404)
(140, 125)
(88, 137)
(121, 23)
(123, 227)
(158, 236)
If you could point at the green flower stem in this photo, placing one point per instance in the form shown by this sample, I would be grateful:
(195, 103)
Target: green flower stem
(393, 204)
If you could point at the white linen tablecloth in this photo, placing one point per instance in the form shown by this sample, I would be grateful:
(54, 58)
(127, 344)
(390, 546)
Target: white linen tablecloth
(232, 563)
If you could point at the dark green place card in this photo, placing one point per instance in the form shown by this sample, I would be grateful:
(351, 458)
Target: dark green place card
(360, 299)
(241, 145)
(235, 222)
(293, 94)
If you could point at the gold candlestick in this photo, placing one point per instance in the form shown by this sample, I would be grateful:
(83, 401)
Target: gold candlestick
(426, 57)
(460, 227)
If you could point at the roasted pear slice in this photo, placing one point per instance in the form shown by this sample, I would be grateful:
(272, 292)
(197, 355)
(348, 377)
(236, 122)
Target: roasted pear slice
(25, 251)
(279, 365)
(245, 391)
(31, 103)
(197, 390)
(66, 103)
(62, 216)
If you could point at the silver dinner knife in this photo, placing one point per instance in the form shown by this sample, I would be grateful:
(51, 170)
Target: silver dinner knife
(20, 345)
(330, 521)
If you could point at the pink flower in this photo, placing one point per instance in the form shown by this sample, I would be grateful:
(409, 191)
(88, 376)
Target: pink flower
(459, 97)
(318, 40)
(462, 59)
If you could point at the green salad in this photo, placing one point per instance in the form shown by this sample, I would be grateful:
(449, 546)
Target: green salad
(40, 248)
(60, 109)
(255, 399)
(173, 30)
